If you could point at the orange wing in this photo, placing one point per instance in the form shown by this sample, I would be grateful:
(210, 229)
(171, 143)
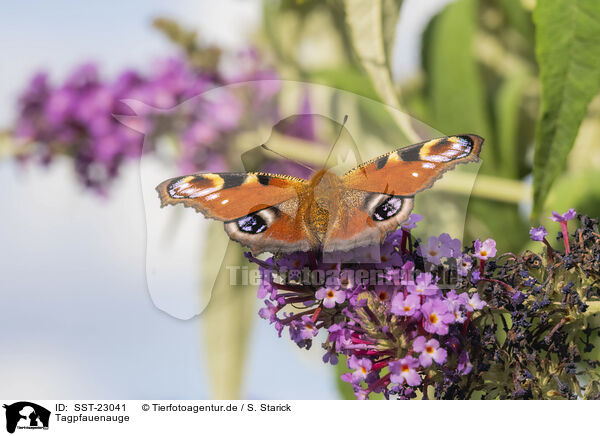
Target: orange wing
(361, 224)
(259, 210)
(227, 196)
(414, 168)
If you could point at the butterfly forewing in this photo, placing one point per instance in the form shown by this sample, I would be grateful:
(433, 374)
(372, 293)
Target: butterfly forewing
(406, 171)
(259, 210)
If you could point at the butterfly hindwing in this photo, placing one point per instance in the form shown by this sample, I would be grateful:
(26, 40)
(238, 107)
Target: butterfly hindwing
(411, 169)
(366, 221)
(258, 209)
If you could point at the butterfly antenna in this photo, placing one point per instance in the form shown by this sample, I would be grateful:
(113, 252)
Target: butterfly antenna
(336, 140)
(285, 157)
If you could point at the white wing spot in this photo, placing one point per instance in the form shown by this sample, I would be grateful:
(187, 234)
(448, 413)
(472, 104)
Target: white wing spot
(436, 158)
(415, 174)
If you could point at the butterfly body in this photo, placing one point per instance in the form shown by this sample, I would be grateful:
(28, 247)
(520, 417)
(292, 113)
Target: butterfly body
(323, 193)
(279, 213)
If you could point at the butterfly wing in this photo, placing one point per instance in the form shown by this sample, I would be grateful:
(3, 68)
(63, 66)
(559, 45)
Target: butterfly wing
(259, 210)
(411, 169)
(365, 218)
(378, 195)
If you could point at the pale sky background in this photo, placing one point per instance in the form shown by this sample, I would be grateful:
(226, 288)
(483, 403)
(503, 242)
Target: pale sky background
(76, 319)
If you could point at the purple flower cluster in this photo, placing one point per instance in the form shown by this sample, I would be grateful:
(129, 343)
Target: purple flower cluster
(77, 118)
(409, 321)
(396, 327)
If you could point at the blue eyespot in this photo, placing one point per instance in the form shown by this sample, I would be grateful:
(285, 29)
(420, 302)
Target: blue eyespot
(388, 209)
(252, 223)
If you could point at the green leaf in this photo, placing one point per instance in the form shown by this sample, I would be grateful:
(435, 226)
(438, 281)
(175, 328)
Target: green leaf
(456, 91)
(227, 319)
(371, 26)
(508, 114)
(518, 17)
(568, 54)
(390, 14)
(346, 78)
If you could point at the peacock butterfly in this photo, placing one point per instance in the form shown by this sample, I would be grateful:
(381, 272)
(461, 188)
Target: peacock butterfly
(280, 213)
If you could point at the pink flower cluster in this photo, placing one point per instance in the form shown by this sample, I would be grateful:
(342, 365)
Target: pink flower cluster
(393, 331)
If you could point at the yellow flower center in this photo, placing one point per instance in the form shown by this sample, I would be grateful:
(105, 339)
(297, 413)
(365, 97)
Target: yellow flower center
(483, 253)
(433, 318)
(330, 294)
(406, 308)
(429, 350)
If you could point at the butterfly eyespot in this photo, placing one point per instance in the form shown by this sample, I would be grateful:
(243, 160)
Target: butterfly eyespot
(252, 223)
(387, 209)
(257, 222)
(466, 140)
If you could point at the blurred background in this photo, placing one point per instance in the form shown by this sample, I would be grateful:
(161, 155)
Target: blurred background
(90, 91)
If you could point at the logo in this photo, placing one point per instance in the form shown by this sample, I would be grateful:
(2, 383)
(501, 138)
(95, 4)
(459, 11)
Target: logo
(26, 415)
